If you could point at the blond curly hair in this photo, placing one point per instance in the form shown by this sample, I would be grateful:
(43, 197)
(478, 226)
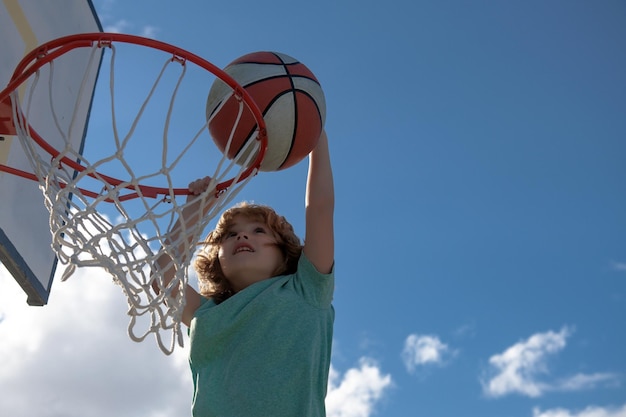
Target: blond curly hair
(213, 283)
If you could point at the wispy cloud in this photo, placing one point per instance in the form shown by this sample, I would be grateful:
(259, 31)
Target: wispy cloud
(120, 26)
(149, 31)
(619, 266)
(519, 368)
(357, 393)
(124, 26)
(585, 381)
(466, 330)
(587, 412)
(422, 350)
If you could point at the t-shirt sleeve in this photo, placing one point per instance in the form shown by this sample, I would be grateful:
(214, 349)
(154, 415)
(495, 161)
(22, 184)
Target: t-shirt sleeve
(315, 287)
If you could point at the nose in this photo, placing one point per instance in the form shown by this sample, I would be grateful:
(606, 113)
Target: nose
(241, 235)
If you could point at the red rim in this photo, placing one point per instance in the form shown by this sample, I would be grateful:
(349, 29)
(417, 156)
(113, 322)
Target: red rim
(53, 49)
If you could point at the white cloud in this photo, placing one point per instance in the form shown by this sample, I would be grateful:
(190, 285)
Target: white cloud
(74, 358)
(587, 412)
(423, 350)
(518, 368)
(358, 392)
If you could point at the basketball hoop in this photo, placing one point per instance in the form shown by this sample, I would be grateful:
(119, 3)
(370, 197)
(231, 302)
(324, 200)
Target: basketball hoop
(107, 210)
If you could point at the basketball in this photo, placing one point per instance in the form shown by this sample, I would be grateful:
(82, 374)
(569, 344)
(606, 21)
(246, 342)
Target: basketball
(290, 98)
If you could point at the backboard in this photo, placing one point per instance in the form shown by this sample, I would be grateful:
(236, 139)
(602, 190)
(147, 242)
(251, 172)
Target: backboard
(24, 221)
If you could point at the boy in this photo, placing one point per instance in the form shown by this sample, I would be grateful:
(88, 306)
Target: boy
(261, 327)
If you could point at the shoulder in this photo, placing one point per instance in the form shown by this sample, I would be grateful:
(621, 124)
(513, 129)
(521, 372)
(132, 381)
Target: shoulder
(316, 287)
(305, 266)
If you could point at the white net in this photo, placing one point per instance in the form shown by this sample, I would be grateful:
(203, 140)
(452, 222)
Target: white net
(124, 225)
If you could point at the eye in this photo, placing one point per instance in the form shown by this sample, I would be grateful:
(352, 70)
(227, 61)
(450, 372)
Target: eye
(229, 233)
(260, 230)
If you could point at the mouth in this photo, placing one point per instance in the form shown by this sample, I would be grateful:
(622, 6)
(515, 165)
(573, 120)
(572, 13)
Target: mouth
(242, 248)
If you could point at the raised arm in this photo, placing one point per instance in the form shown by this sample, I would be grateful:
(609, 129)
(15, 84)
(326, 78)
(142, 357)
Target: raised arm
(190, 215)
(319, 241)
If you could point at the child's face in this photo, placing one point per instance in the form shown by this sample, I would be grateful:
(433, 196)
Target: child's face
(248, 253)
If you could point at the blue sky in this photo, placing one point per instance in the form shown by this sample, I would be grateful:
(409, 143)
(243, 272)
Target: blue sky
(478, 149)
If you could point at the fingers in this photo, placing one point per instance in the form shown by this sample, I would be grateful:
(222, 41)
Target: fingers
(199, 186)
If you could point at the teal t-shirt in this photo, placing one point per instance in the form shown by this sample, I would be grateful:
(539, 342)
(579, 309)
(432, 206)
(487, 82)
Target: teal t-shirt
(266, 350)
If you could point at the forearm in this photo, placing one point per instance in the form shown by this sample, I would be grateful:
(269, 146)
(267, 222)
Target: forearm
(320, 193)
(320, 204)
(180, 237)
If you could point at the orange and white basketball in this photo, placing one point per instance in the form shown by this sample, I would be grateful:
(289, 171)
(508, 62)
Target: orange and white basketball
(290, 98)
